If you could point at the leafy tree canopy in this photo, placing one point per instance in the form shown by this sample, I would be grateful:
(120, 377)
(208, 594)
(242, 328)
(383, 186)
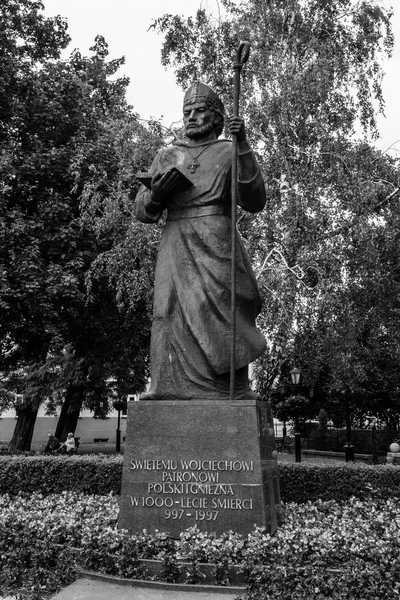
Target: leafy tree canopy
(74, 321)
(325, 250)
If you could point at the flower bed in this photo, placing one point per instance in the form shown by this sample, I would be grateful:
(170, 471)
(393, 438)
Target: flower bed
(324, 549)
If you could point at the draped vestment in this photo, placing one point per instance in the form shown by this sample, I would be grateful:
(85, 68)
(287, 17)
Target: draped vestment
(190, 338)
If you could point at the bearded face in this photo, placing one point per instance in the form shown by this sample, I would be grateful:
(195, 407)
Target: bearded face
(200, 131)
(199, 120)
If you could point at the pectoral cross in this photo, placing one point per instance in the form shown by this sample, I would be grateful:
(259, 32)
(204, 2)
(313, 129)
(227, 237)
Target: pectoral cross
(193, 165)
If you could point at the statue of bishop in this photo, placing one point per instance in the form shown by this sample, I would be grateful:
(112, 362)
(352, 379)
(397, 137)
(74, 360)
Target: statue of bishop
(190, 338)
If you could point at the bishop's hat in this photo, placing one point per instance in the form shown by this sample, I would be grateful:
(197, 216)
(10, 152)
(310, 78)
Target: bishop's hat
(200, 92)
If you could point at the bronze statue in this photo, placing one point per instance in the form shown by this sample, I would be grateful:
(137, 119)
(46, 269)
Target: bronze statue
(191, 319)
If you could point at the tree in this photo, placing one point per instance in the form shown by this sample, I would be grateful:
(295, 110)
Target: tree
(312, 76)
(66, 128)
(294, 408)
(26, 40)
(359, 324)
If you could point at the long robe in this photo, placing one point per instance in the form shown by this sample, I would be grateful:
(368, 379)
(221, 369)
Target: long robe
(190, 338)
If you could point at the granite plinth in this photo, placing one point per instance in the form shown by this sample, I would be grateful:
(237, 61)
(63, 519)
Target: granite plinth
(205, 463)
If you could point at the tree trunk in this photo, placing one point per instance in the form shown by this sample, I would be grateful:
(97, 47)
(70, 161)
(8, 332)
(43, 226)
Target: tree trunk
(23, 431)
(70, 424)
(70, 411)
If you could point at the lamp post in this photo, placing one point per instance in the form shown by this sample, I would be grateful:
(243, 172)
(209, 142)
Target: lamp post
(282, 390)
(349, 448)
(118, 407)
(373, 431)
(295, 375)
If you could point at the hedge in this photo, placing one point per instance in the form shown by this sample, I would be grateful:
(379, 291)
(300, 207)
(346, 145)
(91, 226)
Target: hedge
(308, 482)
(100, 475)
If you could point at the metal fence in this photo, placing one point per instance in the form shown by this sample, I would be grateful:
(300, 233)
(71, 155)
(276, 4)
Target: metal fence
(368, 441)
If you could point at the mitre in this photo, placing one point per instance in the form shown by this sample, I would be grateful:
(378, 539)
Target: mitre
(200, 92)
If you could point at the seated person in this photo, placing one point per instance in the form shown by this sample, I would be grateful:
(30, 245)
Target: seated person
(69, 444)
(52, 444)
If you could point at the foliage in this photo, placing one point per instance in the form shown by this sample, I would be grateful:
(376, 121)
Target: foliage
(325, 250)
(294, 408)
(33, 569)
(75, 273)
(55, 474)
(306, 482)
(353, 539)
(97, 475)
(196, 547)
(324, 549)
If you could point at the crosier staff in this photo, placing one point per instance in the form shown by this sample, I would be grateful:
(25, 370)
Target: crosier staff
(242, 55)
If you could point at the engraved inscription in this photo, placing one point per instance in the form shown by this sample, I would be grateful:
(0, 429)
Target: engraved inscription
(198, 489)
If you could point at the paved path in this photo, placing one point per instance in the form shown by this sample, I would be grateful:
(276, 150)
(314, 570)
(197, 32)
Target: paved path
(109, 589)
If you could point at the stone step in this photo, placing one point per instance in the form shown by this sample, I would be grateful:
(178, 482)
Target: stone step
(104, 587)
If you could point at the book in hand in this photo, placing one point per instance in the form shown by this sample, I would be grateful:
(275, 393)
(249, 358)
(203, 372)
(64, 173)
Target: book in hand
(182, 185)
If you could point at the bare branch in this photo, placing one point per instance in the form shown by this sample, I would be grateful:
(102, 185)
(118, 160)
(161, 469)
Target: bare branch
(386, 200)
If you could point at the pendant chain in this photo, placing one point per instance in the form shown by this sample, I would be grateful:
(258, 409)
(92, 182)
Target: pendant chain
(193, 165)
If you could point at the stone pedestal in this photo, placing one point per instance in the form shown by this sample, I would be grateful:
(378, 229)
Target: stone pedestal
(204, 463)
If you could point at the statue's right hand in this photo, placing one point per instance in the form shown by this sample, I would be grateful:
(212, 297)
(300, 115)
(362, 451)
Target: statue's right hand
(162, 185)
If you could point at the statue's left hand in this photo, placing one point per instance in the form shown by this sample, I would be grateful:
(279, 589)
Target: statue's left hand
(236, 127)
(162, 185)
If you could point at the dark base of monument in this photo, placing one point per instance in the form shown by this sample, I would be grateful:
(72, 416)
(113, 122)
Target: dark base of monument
(204, 463)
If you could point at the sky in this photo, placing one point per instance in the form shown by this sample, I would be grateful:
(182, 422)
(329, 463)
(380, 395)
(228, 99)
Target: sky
(153, 91)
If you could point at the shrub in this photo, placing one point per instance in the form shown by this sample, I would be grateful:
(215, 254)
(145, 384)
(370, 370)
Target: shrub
(303, 482)
(55, 474)
(99, 475)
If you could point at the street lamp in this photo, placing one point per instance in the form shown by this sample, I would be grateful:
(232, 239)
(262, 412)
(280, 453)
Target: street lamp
(295, 375)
